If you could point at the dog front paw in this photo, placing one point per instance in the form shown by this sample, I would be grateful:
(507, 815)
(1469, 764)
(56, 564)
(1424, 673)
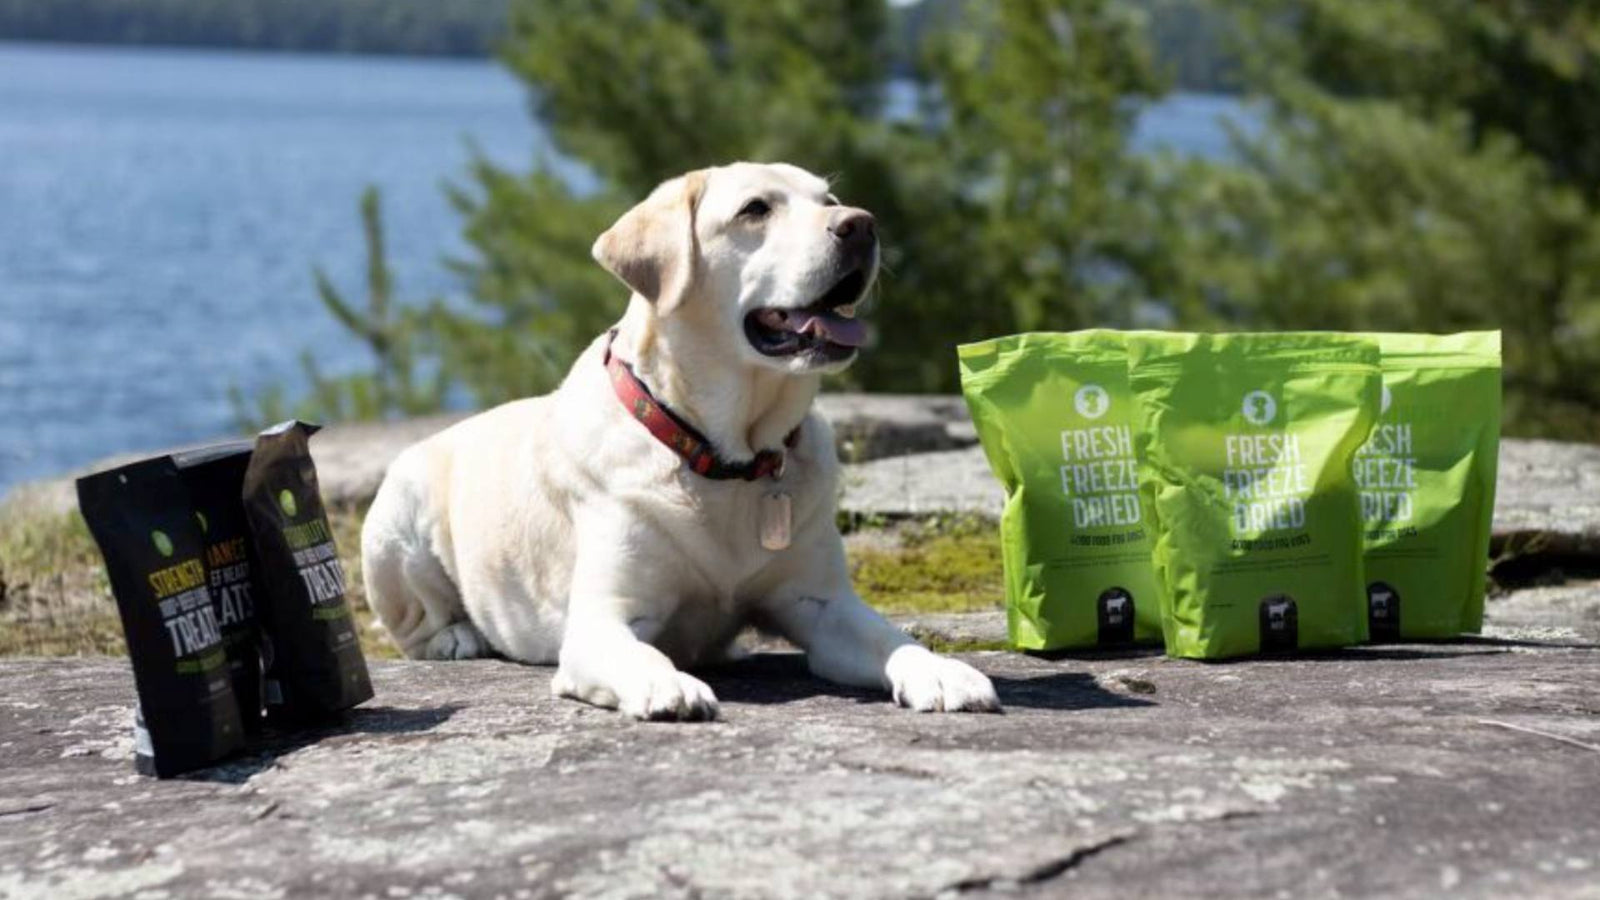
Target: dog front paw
(926, 682)
(649, 688)
(670, 696)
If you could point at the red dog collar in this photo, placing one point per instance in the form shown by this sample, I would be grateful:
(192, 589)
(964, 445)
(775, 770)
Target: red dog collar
(679, 436)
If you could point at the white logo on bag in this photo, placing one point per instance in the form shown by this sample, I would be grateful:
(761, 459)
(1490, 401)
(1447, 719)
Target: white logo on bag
(1384, 400)
(1259, 408)
(1091, 401)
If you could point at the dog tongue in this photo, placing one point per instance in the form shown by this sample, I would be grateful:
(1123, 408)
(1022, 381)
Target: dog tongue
(838, 329)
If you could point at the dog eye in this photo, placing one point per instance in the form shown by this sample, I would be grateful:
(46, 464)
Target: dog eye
(830, 200)
(754, 209)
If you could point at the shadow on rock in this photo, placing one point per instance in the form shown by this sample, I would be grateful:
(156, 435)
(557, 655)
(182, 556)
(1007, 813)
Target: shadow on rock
(776, 678)
(1096, 653)
(394, 720)
(1390, 653)
(1480, 641)
(1061, 690)
(363, 720)
(1456, 648)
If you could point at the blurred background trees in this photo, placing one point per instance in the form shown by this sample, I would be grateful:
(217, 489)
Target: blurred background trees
(994, 158)
(1420, 166)
(1427, 166)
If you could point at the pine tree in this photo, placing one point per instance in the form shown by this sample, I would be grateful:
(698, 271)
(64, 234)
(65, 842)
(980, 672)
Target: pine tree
(391, 333)
(994, 158)
(1425, 166)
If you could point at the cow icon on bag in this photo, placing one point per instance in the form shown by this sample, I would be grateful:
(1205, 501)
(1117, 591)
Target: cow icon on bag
(1115, 607)
(1383, 611)
(1280, 624)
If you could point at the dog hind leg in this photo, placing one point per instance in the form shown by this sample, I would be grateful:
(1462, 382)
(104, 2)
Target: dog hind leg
(407, 585)
(458, 640)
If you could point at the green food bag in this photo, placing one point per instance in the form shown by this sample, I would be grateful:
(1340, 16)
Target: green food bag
(1246, 443)
(1056, 419)
(1427, 479)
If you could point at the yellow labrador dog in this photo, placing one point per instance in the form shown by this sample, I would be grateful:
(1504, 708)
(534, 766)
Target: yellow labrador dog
(676, 486)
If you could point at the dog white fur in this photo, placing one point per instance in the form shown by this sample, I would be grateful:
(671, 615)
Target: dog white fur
(558, 530)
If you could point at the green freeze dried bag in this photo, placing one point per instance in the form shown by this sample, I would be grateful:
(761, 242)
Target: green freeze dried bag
(1427, 480)
(1056, 419)
(1246, 443)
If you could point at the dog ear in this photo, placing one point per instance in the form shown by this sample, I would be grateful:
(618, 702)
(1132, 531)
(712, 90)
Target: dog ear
(652, 248)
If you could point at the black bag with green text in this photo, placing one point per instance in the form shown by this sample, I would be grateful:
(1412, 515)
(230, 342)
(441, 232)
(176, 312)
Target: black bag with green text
(312, 652)
(141, 517)
(1056, 419)
(215, 478)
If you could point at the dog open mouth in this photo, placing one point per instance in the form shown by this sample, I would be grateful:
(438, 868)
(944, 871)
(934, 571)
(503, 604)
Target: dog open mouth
(826, 328)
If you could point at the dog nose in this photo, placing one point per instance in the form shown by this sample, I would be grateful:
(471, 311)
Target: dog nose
(854, 227)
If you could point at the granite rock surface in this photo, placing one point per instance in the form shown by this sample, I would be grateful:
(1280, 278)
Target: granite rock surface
(1469, 769)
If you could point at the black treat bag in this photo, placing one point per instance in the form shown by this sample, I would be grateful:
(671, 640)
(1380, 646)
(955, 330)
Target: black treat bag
(215, 478)
(141, 517)
(314, 666)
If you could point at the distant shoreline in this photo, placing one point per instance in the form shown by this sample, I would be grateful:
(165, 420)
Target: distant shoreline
(69, 43)
(53, 44)
(1186, 35)
(460, 28)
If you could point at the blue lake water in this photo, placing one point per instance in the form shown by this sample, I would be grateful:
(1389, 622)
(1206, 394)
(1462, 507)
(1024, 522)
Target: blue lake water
(160, 211)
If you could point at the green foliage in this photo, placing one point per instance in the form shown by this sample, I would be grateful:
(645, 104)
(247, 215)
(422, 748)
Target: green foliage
(1190, 38)
(1001, 198)
(1427, 167)
(539, 297)
(445, 27)
(55, 599)
(393, 387)
(1423, 167)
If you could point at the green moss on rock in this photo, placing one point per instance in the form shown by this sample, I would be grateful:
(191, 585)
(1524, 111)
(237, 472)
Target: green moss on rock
(940, 566)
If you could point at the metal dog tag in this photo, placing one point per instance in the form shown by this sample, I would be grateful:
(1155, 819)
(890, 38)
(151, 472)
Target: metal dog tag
(775, 513)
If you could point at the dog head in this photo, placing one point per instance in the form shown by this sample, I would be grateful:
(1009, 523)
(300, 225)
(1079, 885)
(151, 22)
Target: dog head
(763, 254)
